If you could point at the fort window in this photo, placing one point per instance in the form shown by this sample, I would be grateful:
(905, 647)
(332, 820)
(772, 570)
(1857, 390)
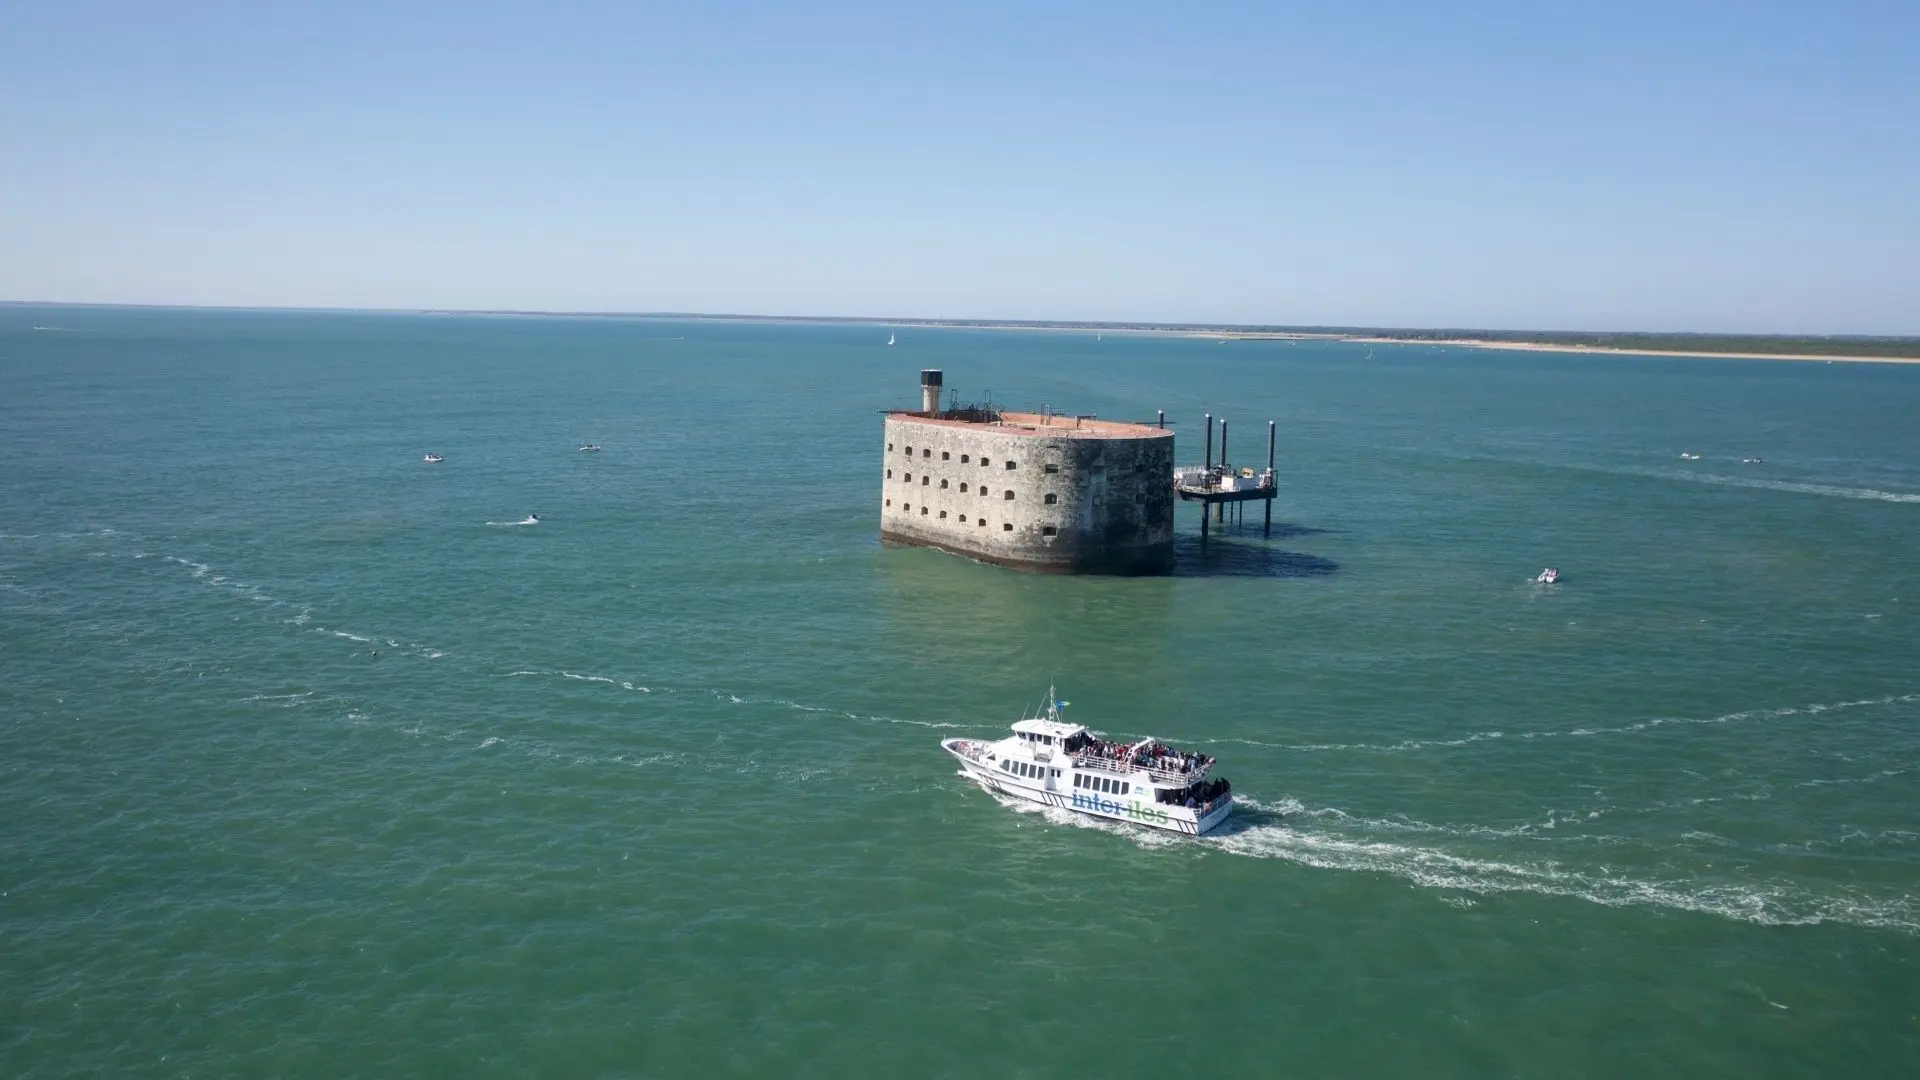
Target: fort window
(963, 459)
(963, 519)
(984, 463)
(1009, 495)
(1008, 527)
(925, 480)
(926, 453)
(963, 489)
(889, 502)
(1009, 466)
(889, 474)
(944, 456)
(943, 515)
(909, 451)
(983, 523)
(1051, 498)
(906, 506)
(1048, 530)
(943, 483)
(909, 478)
(889, 448)
(923, 511)
(1052, 468)
(983, 491)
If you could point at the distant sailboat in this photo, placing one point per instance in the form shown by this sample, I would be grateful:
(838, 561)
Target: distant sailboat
(889, 337)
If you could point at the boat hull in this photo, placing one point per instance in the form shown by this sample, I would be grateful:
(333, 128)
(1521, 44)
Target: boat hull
(1175, 819)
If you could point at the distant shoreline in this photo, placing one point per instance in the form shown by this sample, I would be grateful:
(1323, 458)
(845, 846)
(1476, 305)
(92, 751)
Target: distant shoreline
(1845, 348)
(1598, 350)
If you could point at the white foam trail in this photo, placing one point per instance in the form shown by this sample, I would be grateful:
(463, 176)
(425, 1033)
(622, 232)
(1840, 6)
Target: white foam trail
(351, 637)
(1802, 488)
(1770, 904)
(1407, 745)
(490, 740)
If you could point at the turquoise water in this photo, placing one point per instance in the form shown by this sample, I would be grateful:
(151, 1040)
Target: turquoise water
(311, 766)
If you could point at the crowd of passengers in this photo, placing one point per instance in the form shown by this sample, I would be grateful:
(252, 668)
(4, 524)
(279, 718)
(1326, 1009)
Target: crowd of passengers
(1200, 796)
(1151, 756)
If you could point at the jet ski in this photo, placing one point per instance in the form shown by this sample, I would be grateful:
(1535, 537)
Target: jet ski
(1549, 576)
(434, 459)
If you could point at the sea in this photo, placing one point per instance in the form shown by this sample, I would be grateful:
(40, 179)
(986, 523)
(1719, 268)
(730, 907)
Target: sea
(317, 761)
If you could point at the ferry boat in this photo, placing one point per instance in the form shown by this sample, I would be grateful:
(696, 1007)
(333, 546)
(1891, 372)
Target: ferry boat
(1055, 763)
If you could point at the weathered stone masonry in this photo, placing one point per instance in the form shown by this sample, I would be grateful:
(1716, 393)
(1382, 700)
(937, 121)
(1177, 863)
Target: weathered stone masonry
(1030, 491)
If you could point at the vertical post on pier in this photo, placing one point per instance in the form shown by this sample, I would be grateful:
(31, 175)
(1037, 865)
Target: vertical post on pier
(1162, 422)
(1203, 526)
(1220, 509)
(1208, 460)
(1269, 529)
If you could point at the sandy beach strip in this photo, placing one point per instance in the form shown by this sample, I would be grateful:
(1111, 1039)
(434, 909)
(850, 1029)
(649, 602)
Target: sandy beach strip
(1535, 346)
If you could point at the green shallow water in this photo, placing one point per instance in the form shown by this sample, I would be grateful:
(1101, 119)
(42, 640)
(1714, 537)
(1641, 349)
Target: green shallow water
(654, 789)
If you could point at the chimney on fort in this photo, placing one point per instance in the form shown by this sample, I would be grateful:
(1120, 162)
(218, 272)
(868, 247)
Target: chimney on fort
(930, 381)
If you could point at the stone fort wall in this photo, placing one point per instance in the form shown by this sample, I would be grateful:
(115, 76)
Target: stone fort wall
(1031, 494)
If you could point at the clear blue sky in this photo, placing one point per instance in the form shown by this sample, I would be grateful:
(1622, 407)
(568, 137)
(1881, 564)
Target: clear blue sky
(1631, 165)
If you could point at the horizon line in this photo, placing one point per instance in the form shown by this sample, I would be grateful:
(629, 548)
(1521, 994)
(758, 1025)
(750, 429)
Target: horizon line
(1320, 329)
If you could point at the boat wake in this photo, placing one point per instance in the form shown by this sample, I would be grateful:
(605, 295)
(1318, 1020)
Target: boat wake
(728, 696)
(1292, 832)
(1651, 724)
(1260, 831)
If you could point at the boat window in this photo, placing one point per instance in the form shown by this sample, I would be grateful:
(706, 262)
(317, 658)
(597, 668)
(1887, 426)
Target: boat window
(1051, 498)
(1056, 774)
(1126, 788)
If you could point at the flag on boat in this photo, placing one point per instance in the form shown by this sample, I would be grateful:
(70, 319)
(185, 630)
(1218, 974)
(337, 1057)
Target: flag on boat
(1061, 704)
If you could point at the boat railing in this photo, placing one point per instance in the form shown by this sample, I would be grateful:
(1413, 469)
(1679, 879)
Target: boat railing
(1164, 774)
(1182, 775)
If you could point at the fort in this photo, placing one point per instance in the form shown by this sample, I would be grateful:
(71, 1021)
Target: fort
(1033, 491)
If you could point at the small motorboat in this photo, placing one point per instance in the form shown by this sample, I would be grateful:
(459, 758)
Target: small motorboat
(1549, 576)
(1753, 461)
(590, 448)
(1684, 456)
(434, 459)
(532, 519)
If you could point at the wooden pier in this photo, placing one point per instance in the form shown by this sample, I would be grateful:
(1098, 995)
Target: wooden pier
(1217, 486)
